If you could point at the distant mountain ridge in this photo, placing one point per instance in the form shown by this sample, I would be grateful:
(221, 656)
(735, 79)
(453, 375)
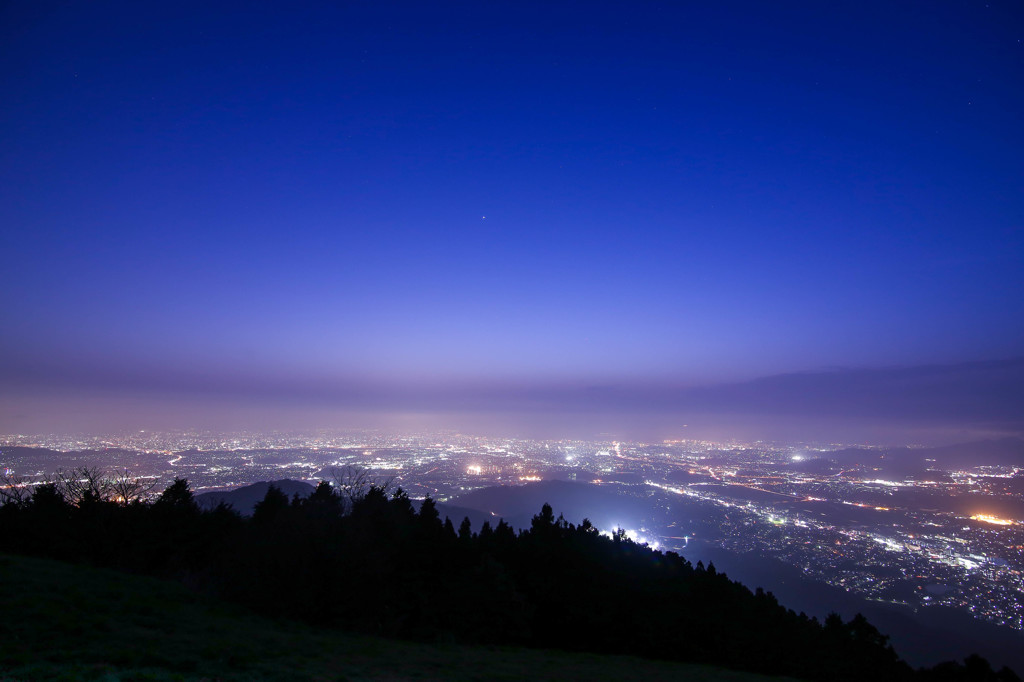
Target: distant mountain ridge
(603, 506)
(1008, 451)
(243, 500)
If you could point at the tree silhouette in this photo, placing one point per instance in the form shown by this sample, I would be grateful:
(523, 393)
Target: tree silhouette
(465, 530)
(47, 498)
(178, 495)
(371, 562)
(126, 488)
(273, 504)
(14, 490)
(82, 485)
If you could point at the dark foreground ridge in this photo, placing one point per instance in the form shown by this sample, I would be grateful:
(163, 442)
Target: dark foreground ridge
(369, 562)
(83, 623)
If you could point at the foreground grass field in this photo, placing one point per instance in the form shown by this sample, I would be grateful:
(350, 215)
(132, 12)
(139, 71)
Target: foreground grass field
(65, 622)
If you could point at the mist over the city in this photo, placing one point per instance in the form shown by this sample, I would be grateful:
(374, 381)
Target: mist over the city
(888, 405)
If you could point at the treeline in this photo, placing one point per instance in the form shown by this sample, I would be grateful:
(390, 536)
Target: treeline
(362, 558)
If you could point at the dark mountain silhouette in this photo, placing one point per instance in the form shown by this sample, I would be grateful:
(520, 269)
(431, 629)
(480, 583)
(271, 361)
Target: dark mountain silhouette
(72, 625)
(923, 637)
(966, 394)
(477, 518)
(920, 463)
(927, 638)
(996, 452)
(372, 562)
(244, 499)
(605, 506)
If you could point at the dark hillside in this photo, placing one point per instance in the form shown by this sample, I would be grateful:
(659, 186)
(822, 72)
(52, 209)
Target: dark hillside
(244, 499)
(371, 562)
(82, 623)
(603, 505)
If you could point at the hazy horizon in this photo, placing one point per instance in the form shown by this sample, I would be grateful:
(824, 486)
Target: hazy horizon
(736, 220)
(888, 406)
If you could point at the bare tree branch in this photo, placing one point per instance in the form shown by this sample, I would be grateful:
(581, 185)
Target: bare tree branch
(126, 488)
(14, 490)
(352, 483)
(82, 485)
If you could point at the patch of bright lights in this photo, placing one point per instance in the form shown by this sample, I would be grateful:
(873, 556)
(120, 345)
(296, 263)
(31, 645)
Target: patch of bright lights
(995, 520)
(635, 536)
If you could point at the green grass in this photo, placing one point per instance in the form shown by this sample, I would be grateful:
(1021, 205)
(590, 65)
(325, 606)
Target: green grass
(67, 622)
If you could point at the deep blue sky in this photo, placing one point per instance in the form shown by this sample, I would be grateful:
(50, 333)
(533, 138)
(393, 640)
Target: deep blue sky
(397, 203)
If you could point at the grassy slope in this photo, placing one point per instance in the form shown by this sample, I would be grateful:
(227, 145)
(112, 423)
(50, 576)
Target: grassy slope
(74, 622)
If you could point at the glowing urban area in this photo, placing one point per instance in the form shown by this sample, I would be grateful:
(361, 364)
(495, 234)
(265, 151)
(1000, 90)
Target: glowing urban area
(922, 529)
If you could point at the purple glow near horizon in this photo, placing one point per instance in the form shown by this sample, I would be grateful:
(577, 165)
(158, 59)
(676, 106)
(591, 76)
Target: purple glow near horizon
(633, 220)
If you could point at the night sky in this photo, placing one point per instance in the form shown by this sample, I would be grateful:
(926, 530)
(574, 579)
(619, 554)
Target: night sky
(767, 219)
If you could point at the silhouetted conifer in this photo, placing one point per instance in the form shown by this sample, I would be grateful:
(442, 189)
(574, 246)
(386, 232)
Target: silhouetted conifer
(380, 566)
(177, 495)
(46, 498)
(466, 530)
(273, 504)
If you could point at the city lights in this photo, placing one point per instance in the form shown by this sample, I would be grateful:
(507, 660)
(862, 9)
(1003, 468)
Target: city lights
(855, 526)
(994, 520)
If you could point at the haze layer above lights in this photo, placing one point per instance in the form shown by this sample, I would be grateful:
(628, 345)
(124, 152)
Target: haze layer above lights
(400, 210)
